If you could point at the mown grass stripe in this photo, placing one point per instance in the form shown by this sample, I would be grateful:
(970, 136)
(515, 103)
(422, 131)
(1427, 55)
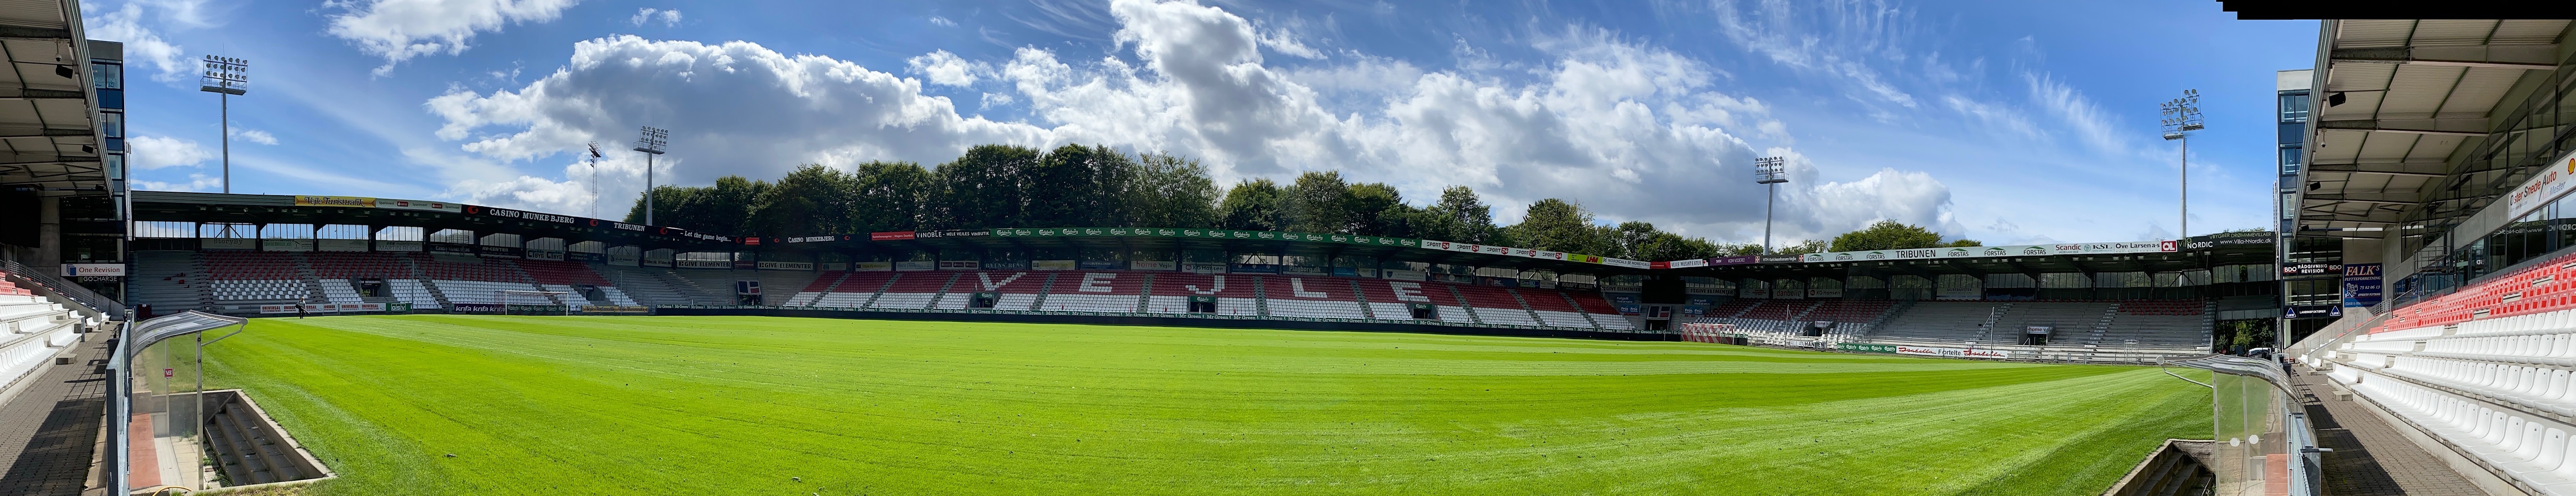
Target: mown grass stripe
(737, 405)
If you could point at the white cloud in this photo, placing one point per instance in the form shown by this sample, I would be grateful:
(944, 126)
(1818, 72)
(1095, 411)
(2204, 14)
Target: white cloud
(154, 152)
(255, 136)
(397, 30)
(2087, 120)
(1841, 39)
(1635, 132)
(142, 46)
(649, 15)
(942, 22)
(947, 68)
(195, 182)
(1285, 42)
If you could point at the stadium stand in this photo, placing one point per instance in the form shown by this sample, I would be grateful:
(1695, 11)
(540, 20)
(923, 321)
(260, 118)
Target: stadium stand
(912, 290)
(1390, 299)
(1554, 308)
(1311, 297)
(1234, 293)
(658, 286)
(1094, 292)
(1494, 305)
(855, 290)
(1601, 311)
(33, 328)
(814, 291)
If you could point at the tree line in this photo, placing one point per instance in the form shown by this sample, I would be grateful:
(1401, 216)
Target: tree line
(996, 186)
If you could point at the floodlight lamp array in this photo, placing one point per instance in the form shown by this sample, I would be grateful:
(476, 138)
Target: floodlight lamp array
(654, 139)
(2182, 114)
(228, 75)
(1770, 170)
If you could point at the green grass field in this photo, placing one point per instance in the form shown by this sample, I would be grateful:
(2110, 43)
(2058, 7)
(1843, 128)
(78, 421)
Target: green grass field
(747, 405)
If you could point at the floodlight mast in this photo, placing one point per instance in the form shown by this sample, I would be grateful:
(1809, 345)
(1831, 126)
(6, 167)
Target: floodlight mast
(1769, 172)
(594, 179)
(651, 143)
(2181, 117)
(225, 77)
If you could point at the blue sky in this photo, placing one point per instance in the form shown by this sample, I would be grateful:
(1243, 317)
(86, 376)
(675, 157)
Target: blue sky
(2008, 122)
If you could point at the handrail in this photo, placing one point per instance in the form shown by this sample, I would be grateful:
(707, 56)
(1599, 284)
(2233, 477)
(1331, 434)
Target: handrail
(43, 282)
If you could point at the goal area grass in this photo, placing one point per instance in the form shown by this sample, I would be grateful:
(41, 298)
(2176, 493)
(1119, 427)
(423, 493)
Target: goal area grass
(487, 405)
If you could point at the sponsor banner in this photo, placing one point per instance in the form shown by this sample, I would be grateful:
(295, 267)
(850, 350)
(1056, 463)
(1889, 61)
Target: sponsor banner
(286, 245)
(2312, 311)
(2042, 330)
(398, 246)
(340, 245)
(332, 308)
(2544, 186)
(1865, 347)
(499, 251)
(456, 248)
(874, 266)
(1622, 262)
(476, 308)
(93, 270)
(1202, 267)
(960, 264)
(623, 259)
(745, 264)
(420, 205)
(1684, 264)
(1816, 292)
(768, 265)
(1703, 289)
(813, 239)
(545, 255)
(950, 234)
(1779, 259)
(1953, 352)
(625, 309)
(754, 241)
(228, 244)
(1754, 291)
(703, 264)
(836, 266)
(334, 201)
(1153, 265)
(515, 214)
(1052, 265)
(916, 265)
(1742, 260)
(2311, 269)
(1988, 251)
(2361, 285)
(653, 261)
(1101, 265)
(626, 226)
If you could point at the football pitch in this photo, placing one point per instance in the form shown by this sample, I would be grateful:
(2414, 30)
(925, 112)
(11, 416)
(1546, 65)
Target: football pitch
(440, 404)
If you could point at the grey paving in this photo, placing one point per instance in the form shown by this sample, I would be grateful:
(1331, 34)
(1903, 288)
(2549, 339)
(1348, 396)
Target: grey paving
(49, 431)
(2370, 457)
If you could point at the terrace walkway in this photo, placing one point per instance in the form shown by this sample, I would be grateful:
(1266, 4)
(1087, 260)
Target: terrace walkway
(2370, 457)
(49, 428)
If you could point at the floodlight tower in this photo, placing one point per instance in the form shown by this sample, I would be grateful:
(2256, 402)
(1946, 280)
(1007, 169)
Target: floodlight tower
(2181, 117)
(651, 144)
(1769, 172)
(594, 179)
(225, 77)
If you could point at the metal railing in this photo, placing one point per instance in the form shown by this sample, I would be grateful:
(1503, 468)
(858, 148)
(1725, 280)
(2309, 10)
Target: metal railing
(49, 285)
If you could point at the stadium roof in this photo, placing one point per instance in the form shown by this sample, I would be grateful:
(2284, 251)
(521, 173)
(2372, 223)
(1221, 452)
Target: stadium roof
(166, 206)
(2425, 104)
(2140, 256)
(49, 135)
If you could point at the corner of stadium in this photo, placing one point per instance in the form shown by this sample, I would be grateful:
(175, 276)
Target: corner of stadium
(181, 343)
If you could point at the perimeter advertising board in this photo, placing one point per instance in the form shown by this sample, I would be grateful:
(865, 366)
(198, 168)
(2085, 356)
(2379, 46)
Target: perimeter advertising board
(2361, 285)
(2544, 186)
